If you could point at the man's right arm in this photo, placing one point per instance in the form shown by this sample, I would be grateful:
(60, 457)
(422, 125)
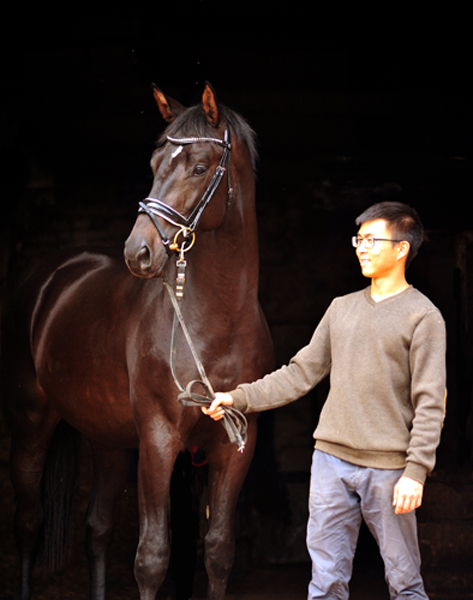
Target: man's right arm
(305, 370)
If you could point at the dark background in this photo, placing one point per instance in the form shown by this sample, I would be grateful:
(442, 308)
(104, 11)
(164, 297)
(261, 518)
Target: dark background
(349, 108)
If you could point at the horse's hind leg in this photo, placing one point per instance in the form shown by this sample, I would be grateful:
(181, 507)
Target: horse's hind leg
(111, 468)
(29, 449)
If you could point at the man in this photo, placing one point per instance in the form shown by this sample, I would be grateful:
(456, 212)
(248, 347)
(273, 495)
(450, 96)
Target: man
(384, 348)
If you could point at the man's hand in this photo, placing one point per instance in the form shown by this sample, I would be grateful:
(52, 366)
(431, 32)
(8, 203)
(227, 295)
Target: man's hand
(407, 495)
(215, 410)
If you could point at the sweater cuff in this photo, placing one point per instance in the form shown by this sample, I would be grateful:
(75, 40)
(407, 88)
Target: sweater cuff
(239, 400)
(415, 471)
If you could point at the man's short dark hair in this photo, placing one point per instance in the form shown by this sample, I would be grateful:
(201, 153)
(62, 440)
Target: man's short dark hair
(402, 221)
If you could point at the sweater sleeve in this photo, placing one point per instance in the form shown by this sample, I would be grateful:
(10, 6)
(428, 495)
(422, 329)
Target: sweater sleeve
(292, 381)
(428, 394)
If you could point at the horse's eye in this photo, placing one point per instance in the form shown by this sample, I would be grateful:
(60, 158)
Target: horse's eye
(199, 170)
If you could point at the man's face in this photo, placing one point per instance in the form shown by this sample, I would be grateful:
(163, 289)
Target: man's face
(381, 259)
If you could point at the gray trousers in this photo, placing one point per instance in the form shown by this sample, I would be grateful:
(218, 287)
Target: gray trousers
(341, 495)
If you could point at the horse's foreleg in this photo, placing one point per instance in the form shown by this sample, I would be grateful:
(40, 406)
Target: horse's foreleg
(111, 468)
(219, 546)
(154, 473)
(227, 473)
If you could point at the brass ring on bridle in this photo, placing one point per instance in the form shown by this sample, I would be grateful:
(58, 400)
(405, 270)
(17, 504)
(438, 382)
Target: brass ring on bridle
(175, 246)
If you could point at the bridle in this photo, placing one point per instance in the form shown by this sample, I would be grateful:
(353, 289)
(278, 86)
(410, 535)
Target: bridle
(154, 207)
(234, 421)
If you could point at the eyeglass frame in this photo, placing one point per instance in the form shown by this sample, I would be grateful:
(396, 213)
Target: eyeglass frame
(357, 241)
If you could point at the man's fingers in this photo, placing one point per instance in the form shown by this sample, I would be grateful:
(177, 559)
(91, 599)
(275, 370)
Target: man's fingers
(215, 409)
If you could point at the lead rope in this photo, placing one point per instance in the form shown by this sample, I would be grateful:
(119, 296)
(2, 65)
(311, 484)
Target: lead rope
(233, 420)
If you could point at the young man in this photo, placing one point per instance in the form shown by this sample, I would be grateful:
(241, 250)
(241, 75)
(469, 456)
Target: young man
(384, 348)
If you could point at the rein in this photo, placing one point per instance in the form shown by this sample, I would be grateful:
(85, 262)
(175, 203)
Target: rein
(233, 420)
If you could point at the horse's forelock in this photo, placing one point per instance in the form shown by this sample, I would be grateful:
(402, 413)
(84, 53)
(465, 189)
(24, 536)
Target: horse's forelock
(193, 123)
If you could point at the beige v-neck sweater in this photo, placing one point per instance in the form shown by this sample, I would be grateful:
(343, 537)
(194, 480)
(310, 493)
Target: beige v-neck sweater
(386, 362)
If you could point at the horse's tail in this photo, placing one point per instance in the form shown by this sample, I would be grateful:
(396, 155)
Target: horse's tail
(59, 496)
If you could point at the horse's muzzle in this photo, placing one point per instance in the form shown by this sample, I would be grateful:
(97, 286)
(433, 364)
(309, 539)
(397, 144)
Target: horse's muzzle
(143, 260)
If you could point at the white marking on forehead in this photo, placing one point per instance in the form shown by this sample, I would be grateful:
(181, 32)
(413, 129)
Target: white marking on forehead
(177, 151)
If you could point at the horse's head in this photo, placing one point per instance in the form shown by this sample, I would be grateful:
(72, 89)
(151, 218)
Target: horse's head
(192, 158)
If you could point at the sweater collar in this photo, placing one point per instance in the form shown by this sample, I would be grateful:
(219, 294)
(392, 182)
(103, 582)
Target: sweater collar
(387, 299)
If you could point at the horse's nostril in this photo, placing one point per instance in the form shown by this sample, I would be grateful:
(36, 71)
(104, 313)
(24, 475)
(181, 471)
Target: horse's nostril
(144, 257)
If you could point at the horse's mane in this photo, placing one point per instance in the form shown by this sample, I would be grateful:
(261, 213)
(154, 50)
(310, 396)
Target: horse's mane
(193, 123)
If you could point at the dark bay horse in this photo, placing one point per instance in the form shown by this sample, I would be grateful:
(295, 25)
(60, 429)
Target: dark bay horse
(90, 347)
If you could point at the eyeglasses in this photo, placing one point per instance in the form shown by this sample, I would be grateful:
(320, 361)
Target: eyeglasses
(369, 242)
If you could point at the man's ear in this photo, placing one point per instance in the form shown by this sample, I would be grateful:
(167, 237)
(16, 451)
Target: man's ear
(404, 248)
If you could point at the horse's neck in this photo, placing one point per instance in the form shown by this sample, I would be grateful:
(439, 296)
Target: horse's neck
(223, 272)
(228, 269)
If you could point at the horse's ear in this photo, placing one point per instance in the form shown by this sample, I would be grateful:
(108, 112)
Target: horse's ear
(210, 105)
(168, 107)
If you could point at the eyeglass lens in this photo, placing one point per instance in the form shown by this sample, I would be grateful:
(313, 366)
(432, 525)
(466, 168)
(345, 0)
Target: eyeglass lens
(357, 241)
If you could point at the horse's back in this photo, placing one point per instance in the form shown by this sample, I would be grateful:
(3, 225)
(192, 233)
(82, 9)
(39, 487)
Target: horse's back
(45, 284)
